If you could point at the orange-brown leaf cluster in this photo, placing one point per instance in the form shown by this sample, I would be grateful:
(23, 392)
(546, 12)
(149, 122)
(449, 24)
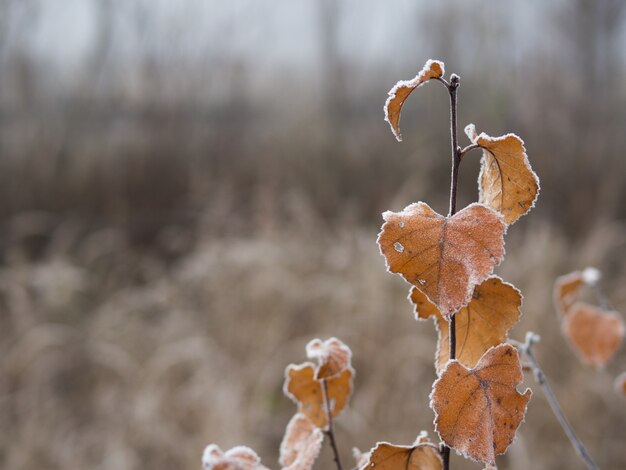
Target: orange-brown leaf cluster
(477, 411)
(594, 333)
(444, 257)
(485, 322)
(401, 91)
(307, 384)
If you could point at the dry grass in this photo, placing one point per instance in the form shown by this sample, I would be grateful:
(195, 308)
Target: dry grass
(110, 358)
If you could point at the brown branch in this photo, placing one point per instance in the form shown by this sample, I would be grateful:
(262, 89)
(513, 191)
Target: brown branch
(540, 377)
(330, 432)
(454, 183)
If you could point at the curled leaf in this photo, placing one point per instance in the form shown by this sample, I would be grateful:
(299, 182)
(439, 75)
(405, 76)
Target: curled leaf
(419, 456)
(302, 387)
(477, 411)
(301, 444)
(237, 458)
(507, 183)
(595, 334)
(333, 357)
(401, 91)
(566, 290)
(485, 322)
(444, 257)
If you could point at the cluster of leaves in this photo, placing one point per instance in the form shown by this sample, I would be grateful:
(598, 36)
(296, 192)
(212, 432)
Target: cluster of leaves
(449, 262)
(594, 332)
(321, 391)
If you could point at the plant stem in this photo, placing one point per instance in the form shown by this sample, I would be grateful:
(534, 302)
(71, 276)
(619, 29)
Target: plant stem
(454, 182)
(330, 432)
(526, 348)
(456, 152)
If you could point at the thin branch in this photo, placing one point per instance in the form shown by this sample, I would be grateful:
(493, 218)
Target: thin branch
(330, 432)
(467, 149)
(454, 183)
(456, 157)
(526, 348)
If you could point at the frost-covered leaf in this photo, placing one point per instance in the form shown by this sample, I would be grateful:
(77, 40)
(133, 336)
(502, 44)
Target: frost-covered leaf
(401, 91)
(567, 287)
(444, 257)
(620, 384)
(595, 334)
(483, 323)
(566, 290)
(237, 458)
(507, 183)
(333, 357)
(302, 387)
(301, 444)
(419, 456)
(477, 411)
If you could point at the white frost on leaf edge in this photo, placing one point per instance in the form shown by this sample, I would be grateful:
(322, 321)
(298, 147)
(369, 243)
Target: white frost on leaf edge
(415, 82)
(488, 466)
(474, 137)
(411, 208)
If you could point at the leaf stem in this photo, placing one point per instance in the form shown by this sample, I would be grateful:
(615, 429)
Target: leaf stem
(330, 431)
(540, 377)
(457, 153)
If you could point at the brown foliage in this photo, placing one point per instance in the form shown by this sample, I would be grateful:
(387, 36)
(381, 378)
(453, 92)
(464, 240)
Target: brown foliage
(419, 456)
(333, 356)
(594, 334)
(444, 257)
(507, 183)
(566, 290)
(301, 444)
(401, 91)
(477, 411)
(302, 387)
(485, 322)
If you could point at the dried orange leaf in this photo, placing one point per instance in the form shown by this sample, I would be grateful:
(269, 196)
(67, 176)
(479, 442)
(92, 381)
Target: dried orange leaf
(301, 444)
(333, 357)
(477, 411)
(595, 334)
(507, 183)
(444, 257)
(237, 458)
(302, 387)
(419, 456)
(401, 91)
(483, 323)
(566, 290)
(620, 384)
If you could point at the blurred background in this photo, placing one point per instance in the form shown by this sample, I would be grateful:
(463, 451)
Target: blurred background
(191, 190)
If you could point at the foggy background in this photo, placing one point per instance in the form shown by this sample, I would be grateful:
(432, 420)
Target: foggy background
(191, 190)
